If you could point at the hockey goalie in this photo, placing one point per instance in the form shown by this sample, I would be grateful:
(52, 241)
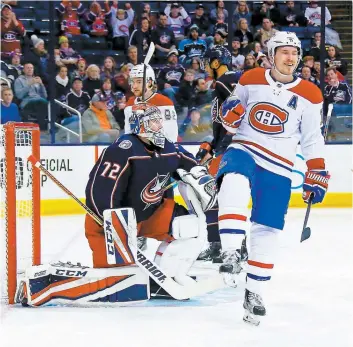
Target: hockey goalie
(128, 191)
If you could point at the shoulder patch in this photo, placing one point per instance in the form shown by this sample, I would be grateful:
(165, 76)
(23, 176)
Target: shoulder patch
(126, 144)
(253, 76)
(308, 91)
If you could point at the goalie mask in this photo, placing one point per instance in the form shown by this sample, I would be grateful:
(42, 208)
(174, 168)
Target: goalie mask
(146, 121)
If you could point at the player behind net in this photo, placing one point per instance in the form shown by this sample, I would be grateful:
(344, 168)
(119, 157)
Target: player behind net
(133, 172)
(269, 113)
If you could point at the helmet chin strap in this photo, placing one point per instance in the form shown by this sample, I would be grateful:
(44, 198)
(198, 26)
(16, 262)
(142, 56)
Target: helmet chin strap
(282, 74)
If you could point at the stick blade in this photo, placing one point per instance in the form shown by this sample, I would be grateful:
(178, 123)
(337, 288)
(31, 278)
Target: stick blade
(149, 54)
(306, 233)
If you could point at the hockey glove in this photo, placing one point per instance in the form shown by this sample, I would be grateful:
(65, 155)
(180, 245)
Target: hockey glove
(205, 148)
(202, 183)
(315, 182)
(232, 113)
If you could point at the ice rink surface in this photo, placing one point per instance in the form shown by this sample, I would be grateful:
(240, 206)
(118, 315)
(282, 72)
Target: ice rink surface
(309, 299)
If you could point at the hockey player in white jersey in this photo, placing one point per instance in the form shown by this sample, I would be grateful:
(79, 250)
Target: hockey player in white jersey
(164, 104)
(270, 112)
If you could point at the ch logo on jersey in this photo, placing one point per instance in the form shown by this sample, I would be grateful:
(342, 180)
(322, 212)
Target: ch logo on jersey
(153, 191)
(268, 118)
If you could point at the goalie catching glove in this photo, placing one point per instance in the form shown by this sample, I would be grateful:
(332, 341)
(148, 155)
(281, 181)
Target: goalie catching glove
(202, 183)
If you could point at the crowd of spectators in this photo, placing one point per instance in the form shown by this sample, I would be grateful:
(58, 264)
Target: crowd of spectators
(182, 33)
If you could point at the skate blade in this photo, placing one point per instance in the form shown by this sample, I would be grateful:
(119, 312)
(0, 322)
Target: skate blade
(251, 319)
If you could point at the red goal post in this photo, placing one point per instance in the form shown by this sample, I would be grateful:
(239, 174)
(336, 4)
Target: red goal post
(20, 204)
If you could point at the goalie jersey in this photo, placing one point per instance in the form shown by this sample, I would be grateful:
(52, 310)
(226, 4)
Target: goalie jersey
(279, 116)
(165, 105)
(131, 173)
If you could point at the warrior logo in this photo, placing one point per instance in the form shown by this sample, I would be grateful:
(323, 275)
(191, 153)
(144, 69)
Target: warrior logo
(153, 191)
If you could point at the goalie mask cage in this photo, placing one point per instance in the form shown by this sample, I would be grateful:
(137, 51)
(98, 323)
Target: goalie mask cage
(20, 204)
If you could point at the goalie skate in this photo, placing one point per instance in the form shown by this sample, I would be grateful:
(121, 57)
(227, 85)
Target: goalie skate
(254, 308)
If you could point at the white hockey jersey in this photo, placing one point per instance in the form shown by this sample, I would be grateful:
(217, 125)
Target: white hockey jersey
(165, 105)
(278, 117)
(314, 15)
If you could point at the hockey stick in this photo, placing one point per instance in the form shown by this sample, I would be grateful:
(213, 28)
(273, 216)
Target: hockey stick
(145, 63)
(328, 118)
(177, 291)
(306, 232)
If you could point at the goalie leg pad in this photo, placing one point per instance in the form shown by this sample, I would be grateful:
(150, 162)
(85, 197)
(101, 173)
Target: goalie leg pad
(186, 226)
(120, 230)
(176, 257)
(68, 284)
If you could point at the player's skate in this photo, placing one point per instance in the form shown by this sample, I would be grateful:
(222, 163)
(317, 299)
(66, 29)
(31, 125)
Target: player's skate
(254, 308)
(231, 267)
(212, 253)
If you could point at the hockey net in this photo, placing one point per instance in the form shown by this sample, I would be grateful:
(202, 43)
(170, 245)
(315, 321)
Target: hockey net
(19, 206)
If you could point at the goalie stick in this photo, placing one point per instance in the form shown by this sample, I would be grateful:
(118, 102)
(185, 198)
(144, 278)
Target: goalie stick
(177, 291)
(306, 232)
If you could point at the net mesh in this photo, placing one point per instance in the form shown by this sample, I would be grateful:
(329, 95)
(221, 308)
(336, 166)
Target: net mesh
(24, 205)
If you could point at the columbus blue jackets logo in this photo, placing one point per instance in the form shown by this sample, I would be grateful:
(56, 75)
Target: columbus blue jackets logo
(126, 144)
(268, 118)
(153, 192)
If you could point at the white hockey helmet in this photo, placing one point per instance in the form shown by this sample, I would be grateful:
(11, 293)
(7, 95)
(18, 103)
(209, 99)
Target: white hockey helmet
(280, 39)
(137, 72)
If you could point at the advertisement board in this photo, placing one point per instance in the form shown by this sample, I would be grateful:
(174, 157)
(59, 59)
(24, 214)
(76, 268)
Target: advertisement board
(72, 165)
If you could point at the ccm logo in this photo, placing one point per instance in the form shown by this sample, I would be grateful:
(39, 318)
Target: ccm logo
(160, 276)
(109, 237)
(40, 274)
(71, 273)
(268, 118)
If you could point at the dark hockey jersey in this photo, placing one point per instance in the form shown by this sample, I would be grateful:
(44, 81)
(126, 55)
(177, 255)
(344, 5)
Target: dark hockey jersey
(339, 94)
(171, 74)
(130, 173)
(224, 87)
(193, 48)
